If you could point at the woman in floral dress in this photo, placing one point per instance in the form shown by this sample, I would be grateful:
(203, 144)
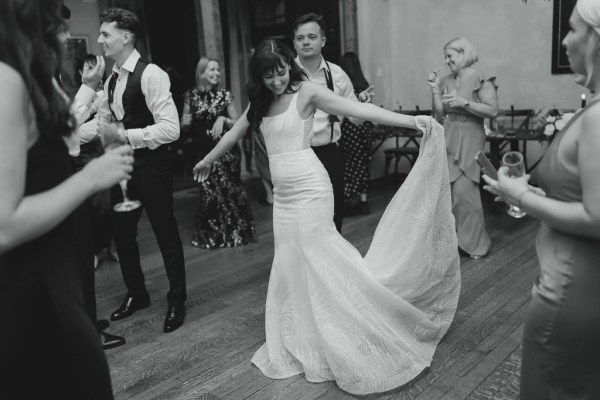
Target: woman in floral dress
(223, 217)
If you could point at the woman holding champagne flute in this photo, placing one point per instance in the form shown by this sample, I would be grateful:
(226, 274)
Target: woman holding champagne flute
(561, 338)
(463, 99)
(49, 346)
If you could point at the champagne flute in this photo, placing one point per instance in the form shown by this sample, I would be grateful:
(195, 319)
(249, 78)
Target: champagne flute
(513, 160)
(110, 141)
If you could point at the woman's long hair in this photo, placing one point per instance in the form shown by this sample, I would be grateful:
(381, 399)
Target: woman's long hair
(29, 44)
(351, 65)
(201, 83)
(269, 56)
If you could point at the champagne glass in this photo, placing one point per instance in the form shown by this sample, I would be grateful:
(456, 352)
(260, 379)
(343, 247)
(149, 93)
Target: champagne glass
(110, 141)
(513, 160)
(447, 94)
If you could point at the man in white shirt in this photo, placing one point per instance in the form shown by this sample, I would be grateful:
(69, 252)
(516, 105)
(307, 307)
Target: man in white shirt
(80, 109)
(309, 39)
(138, 94)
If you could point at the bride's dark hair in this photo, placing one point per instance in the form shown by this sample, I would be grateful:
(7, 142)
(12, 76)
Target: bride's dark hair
(29, 44)
(269, 56)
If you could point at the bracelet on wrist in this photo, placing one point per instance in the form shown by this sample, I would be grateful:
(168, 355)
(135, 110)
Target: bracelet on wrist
(432, 92)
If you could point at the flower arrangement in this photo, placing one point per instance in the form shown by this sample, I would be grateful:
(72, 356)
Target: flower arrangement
(554, 121)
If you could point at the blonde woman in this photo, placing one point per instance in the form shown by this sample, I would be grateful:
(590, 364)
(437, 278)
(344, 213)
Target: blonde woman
(464, 98)
(561, 338)
(223, 217)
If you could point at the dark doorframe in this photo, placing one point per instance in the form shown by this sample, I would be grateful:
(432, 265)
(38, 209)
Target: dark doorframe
(173, 39)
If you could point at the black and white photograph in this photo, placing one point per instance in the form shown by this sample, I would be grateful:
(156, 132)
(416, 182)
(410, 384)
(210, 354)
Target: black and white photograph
(300, 200)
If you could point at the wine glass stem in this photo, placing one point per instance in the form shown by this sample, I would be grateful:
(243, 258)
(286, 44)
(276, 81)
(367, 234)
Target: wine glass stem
(123, 185)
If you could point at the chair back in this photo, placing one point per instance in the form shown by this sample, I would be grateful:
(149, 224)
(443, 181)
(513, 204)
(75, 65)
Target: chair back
(515, 118)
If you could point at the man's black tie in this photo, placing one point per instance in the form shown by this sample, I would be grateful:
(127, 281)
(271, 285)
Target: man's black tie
(111, 91)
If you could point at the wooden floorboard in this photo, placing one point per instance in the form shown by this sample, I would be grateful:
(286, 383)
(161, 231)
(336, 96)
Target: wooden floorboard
(209, 357)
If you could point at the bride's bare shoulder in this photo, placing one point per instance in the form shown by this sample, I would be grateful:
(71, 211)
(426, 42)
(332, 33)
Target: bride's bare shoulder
(307, 86)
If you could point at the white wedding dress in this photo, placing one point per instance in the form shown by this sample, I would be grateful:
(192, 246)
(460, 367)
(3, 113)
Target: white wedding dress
(373, 323)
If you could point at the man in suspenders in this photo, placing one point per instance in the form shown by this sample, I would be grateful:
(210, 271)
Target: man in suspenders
(309, 39)
(138, 94)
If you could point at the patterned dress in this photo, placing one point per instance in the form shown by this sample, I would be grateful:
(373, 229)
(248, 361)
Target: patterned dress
(223, 217)
(356, 142)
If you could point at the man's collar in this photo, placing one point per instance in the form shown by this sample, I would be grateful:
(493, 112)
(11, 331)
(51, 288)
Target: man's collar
(130, 63)
(322, 65)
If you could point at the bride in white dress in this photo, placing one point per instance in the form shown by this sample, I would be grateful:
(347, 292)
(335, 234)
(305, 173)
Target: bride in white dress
(373, 323)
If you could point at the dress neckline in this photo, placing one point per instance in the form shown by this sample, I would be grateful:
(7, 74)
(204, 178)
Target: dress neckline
(286, 110)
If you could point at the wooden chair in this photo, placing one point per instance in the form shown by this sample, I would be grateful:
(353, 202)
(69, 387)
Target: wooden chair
(519, 118)
(514, 119)
(409, 149)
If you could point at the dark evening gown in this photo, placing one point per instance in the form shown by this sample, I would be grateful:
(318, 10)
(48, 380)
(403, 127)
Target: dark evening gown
(561, 340)
(223, 217)
(49, 347)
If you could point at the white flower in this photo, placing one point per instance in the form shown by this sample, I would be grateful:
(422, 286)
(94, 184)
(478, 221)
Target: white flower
(567, 117)
(550, 119)
(549, 130)
(559, 124)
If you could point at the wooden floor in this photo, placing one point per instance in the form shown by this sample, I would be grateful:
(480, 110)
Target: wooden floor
(209, 357)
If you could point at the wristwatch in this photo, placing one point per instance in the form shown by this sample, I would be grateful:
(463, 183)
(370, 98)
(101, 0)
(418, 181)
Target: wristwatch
(467, 104)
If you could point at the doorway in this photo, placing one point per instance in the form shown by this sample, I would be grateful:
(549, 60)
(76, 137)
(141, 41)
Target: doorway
(273, 19)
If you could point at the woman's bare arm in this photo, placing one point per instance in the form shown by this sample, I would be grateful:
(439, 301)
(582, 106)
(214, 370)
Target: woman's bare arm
(314, 96)
(23, 218)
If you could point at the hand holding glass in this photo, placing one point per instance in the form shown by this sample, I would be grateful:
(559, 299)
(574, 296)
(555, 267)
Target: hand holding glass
(513, 160)
(448, 96)
(112, 135)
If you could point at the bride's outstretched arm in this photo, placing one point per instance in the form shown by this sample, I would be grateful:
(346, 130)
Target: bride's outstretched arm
(324, 99)
(229, 139)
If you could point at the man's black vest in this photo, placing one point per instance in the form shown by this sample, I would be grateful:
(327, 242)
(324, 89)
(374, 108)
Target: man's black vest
(137, 115)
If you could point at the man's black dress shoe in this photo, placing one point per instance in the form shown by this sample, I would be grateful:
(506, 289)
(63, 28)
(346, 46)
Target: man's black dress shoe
(109, 341)
(174, 319)
(129, 306)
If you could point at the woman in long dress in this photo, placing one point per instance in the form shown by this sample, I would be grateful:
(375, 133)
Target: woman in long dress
(49, 346)
(561, 338)
(223, 216)
(372, 323)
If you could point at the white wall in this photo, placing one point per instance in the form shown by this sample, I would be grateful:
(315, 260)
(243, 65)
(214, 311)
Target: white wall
(401, 41)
